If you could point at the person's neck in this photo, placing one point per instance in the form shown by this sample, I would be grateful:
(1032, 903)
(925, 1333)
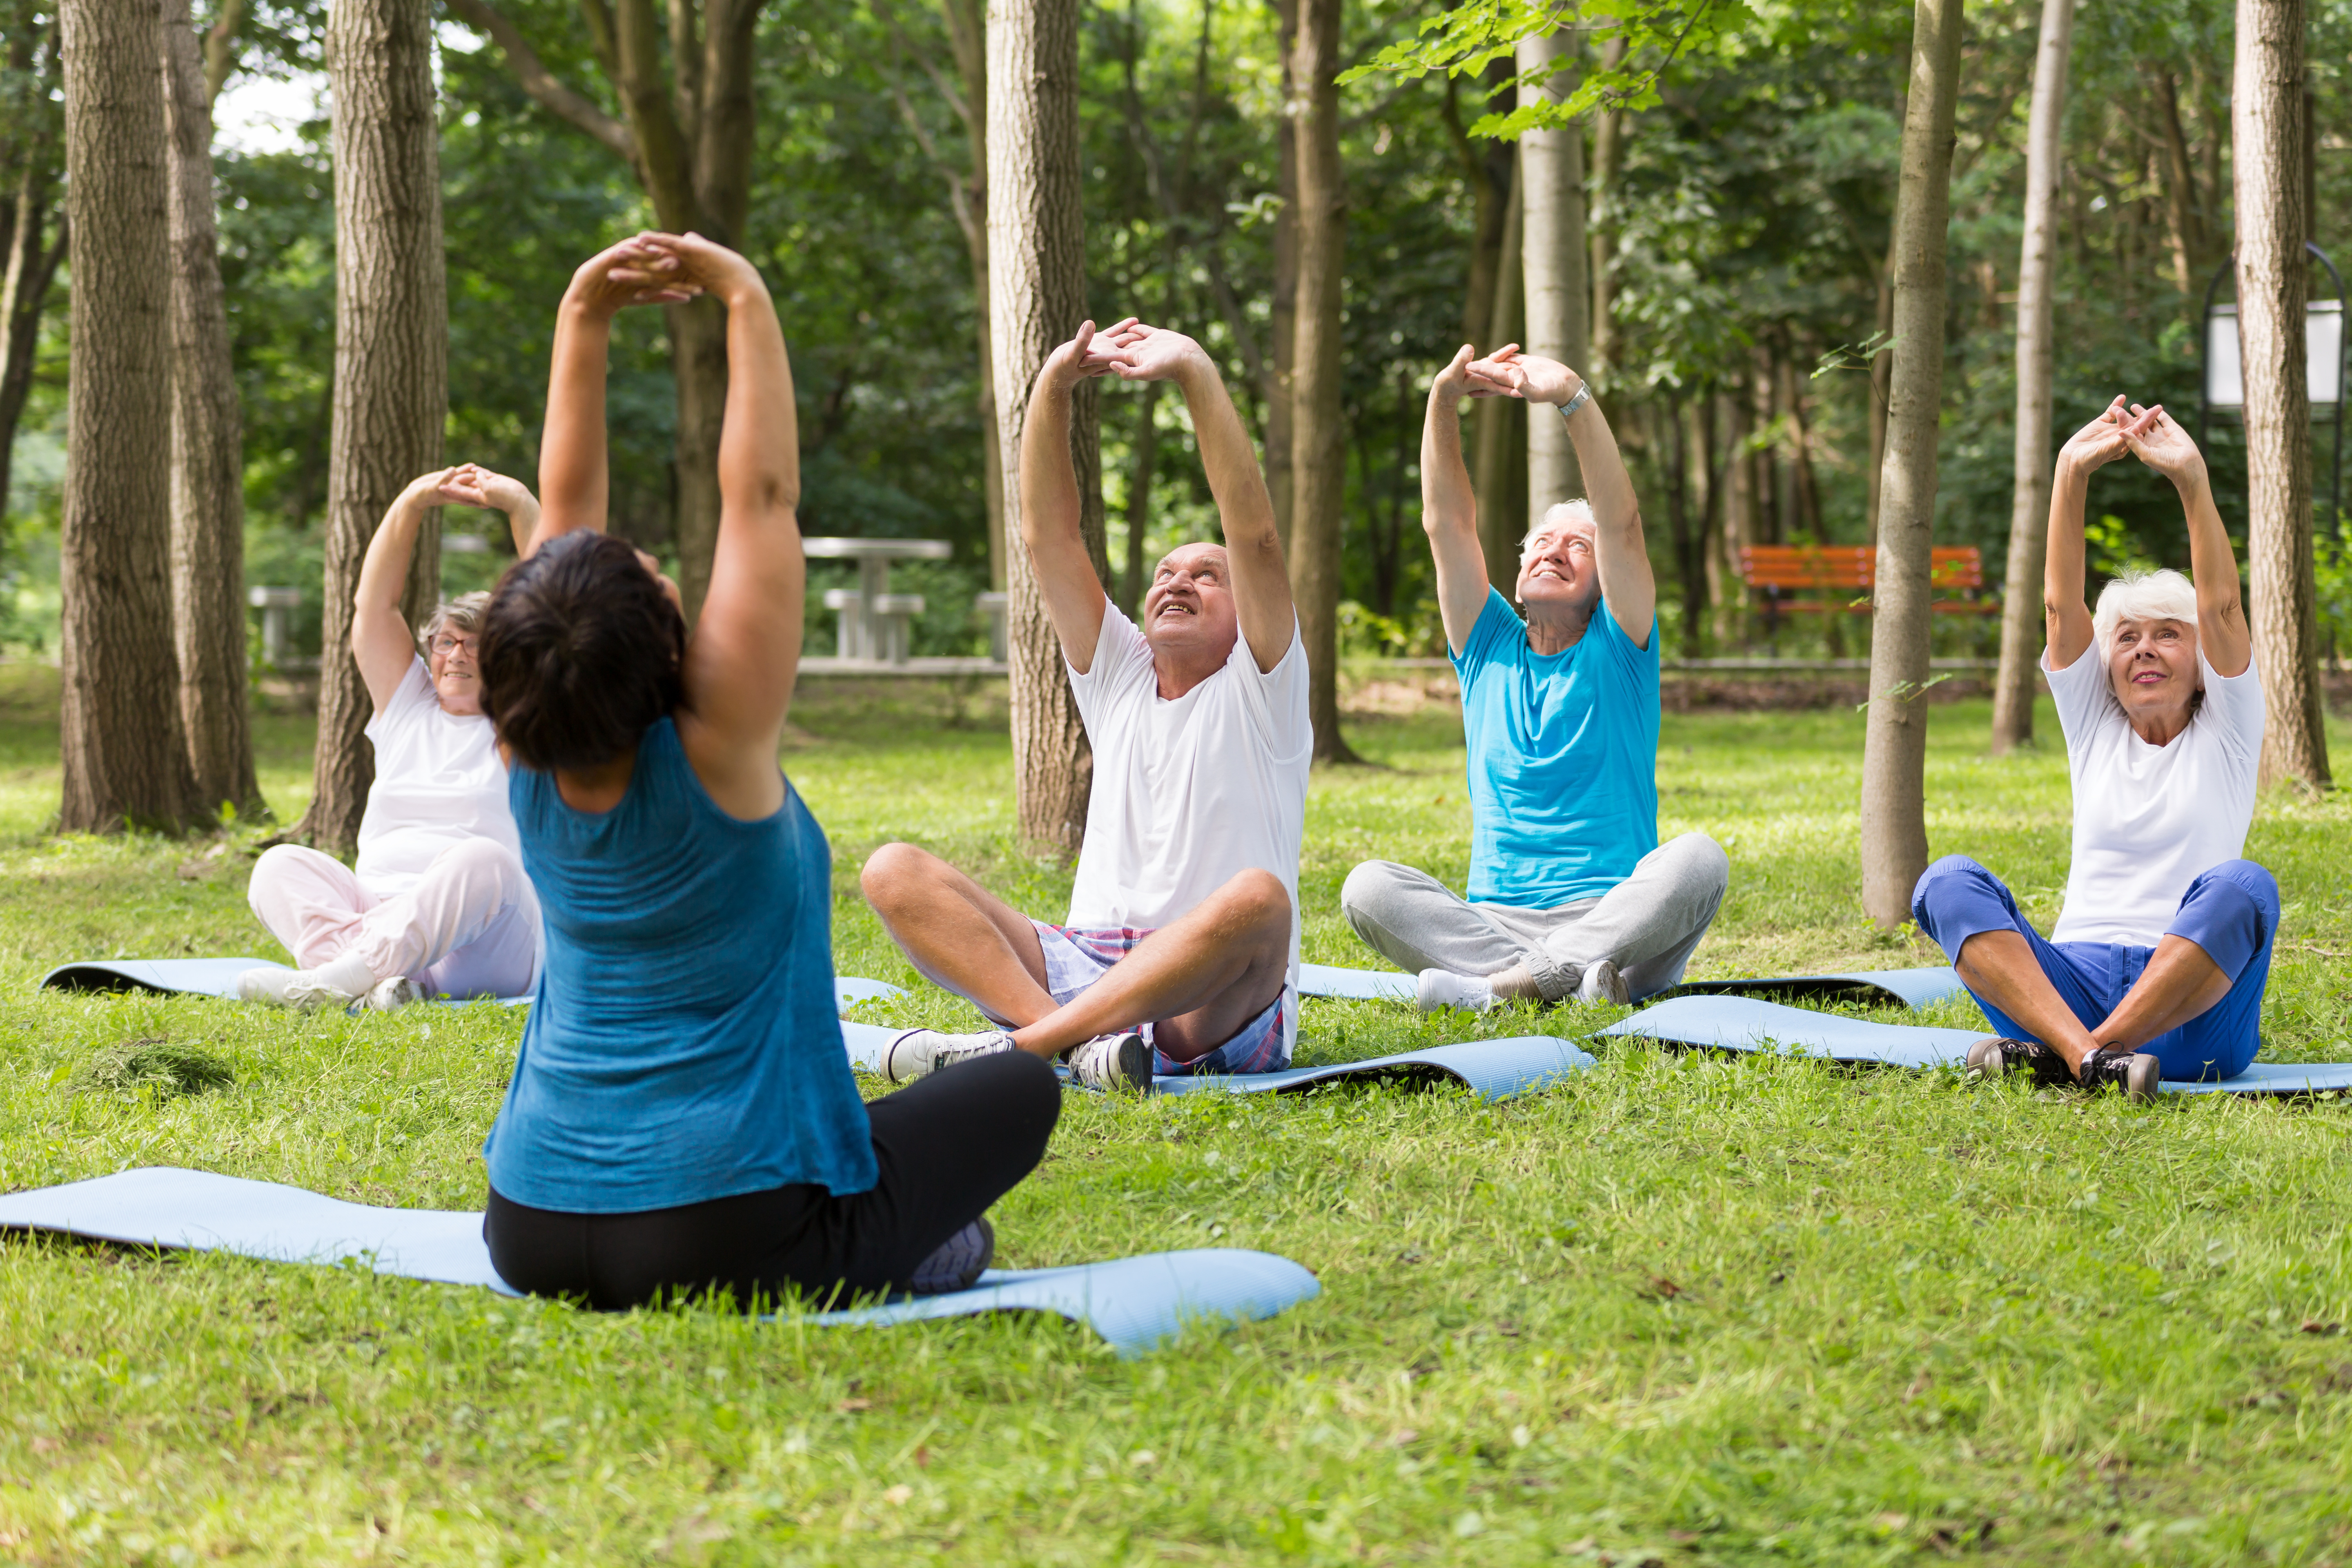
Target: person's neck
(1556, 628)
(599, 789)
(2160, 728)
(1179, 673)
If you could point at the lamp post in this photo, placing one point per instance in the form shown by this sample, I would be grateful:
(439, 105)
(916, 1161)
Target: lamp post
(2223, 383)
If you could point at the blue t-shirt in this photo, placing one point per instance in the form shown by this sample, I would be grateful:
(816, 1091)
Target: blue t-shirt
(1563, 759)
(684, 1043)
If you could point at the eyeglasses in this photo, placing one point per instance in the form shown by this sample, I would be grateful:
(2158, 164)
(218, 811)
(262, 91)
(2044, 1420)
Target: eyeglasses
(444, 644)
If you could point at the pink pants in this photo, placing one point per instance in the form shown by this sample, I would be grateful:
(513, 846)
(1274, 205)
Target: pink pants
(468, 928)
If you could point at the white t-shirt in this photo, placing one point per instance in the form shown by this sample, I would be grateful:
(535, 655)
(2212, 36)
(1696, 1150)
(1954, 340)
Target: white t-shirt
(1189, 792)
(2150, 819)
(439, 781)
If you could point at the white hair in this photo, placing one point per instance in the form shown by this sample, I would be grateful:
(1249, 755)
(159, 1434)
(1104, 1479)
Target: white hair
(2161, 595)
(1563, 511)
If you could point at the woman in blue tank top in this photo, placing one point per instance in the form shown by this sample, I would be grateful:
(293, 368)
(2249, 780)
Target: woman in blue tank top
(682, 1118)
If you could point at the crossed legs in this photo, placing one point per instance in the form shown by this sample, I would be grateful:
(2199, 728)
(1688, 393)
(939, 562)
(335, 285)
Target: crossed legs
(1197, 979)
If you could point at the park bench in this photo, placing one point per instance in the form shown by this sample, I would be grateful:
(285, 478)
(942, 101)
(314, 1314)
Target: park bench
(1782, 570)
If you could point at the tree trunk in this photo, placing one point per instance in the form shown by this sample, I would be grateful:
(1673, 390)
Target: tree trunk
(2266, 117)
(1608, 167)
(1882, 365)
(120, 725)
(1283, 324)
(1319, 452)
(33, 254)
(1146, 452)
(2029, 514)
(1895, 750)
(208, 451)
(967, 22)
(391, 341)
(1037, 287)
(1500, 422)
(1552, 243)
(698, 363)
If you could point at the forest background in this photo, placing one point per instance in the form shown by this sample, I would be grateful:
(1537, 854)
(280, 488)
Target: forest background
(1745, 231)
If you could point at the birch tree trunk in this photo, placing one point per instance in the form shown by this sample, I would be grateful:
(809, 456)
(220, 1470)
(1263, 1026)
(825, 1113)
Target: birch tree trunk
(1608, 165)
(1037, 297)
(207, 450)
(392, 339)
(1318, 453)
(967, 21)
(2267, 107)
(1552, 250)
(2029, 516)
(1894, 753)
(1283, 317)
(124, 764)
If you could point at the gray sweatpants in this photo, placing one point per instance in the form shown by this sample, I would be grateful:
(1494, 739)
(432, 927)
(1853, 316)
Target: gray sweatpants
(1649, 924)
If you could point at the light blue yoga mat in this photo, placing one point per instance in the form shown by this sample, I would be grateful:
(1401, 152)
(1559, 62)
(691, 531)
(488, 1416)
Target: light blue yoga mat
(1880, 987)
(1134, 1303)
(1875, 987)
(217, 977)
(1739, 1024)
(1493, 1069)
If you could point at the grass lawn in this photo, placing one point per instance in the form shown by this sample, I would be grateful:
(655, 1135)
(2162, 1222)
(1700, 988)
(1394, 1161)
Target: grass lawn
(1677, 1310)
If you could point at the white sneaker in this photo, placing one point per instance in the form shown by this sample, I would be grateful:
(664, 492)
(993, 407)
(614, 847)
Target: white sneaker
(397, 992)
(1113, 1062)
(917, 1053)
(1602, 983)
(1440, 988)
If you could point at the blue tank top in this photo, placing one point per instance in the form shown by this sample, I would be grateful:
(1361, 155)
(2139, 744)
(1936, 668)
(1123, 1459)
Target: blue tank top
(684, 1043)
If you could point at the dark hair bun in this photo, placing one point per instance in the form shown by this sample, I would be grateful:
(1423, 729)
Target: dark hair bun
(580, 651)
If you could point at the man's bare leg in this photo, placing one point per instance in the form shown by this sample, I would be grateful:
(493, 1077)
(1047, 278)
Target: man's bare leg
(1197, 979)
(957, 933)
(2179, 983)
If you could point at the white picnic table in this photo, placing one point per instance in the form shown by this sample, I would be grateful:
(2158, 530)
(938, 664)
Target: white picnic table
(874, 619)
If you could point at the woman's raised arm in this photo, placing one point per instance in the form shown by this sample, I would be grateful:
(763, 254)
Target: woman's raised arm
(745, 648)
(2066, 617)
(2158, 440)
(382, 641)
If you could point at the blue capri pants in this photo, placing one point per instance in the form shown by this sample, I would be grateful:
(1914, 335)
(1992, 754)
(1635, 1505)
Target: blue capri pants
(2231, 911)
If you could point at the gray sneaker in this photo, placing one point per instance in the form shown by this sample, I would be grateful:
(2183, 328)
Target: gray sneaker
(918, 1053)
(1113, 1062)
(957, 1263)
(2138, 1075)
(397, 992)
(1602, 983)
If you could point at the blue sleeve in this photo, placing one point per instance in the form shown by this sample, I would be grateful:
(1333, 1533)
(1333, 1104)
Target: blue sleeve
(1496, 622)
(1638, 663)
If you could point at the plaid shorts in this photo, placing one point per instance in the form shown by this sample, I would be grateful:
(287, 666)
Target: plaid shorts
(1077, 956)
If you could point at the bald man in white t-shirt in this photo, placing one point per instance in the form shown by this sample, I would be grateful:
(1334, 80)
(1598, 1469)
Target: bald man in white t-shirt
(1180, 953)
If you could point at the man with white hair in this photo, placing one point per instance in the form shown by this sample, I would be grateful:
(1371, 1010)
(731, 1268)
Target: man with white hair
(1570, 893)
(2156, 967)
(1180, 953)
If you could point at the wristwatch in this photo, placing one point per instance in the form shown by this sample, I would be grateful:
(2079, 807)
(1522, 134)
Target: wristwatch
(1583, 395)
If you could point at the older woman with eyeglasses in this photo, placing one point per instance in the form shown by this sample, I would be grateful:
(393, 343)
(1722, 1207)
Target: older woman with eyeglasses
(438, 904)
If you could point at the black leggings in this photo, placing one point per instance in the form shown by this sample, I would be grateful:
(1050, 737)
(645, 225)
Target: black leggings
(946, 1147)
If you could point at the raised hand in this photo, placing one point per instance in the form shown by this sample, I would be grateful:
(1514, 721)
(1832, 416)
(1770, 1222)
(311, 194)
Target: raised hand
(2157, 439)
(2100, 442)
(1507, 372)
(1089, 354)
(470, 484)
(1151, 353)
(633, 273)
(1454, 381)
(691, 262)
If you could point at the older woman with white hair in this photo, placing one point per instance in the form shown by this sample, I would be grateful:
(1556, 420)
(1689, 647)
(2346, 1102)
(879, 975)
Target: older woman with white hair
(2156, 967)
(438, 904)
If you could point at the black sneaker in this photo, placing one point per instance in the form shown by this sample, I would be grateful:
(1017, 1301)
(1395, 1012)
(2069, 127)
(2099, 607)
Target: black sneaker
(957, 1263)
(2136, 1073)
(1993, 1058)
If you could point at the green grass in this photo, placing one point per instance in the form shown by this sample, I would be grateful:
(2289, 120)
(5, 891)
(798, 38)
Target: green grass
(1678, 1310)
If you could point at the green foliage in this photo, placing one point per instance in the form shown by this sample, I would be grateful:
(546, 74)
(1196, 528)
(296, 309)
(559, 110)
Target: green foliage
(1465, 39)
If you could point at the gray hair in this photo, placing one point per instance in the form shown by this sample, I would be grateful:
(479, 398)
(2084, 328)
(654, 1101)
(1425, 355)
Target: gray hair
(462, 615)
(2136, 594)
(1562, 512)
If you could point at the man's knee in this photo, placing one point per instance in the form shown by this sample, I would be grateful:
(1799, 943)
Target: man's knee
(1258, 896)
(892, 874)
(1954, 875)
(1700, 863)
(1367, 892)
(2253, 879)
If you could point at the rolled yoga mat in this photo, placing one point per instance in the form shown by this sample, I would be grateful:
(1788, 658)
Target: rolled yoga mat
(217, 977)
(1135, 1303)
(1739, 1024)
(1492, 1069)
(1879, 987)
